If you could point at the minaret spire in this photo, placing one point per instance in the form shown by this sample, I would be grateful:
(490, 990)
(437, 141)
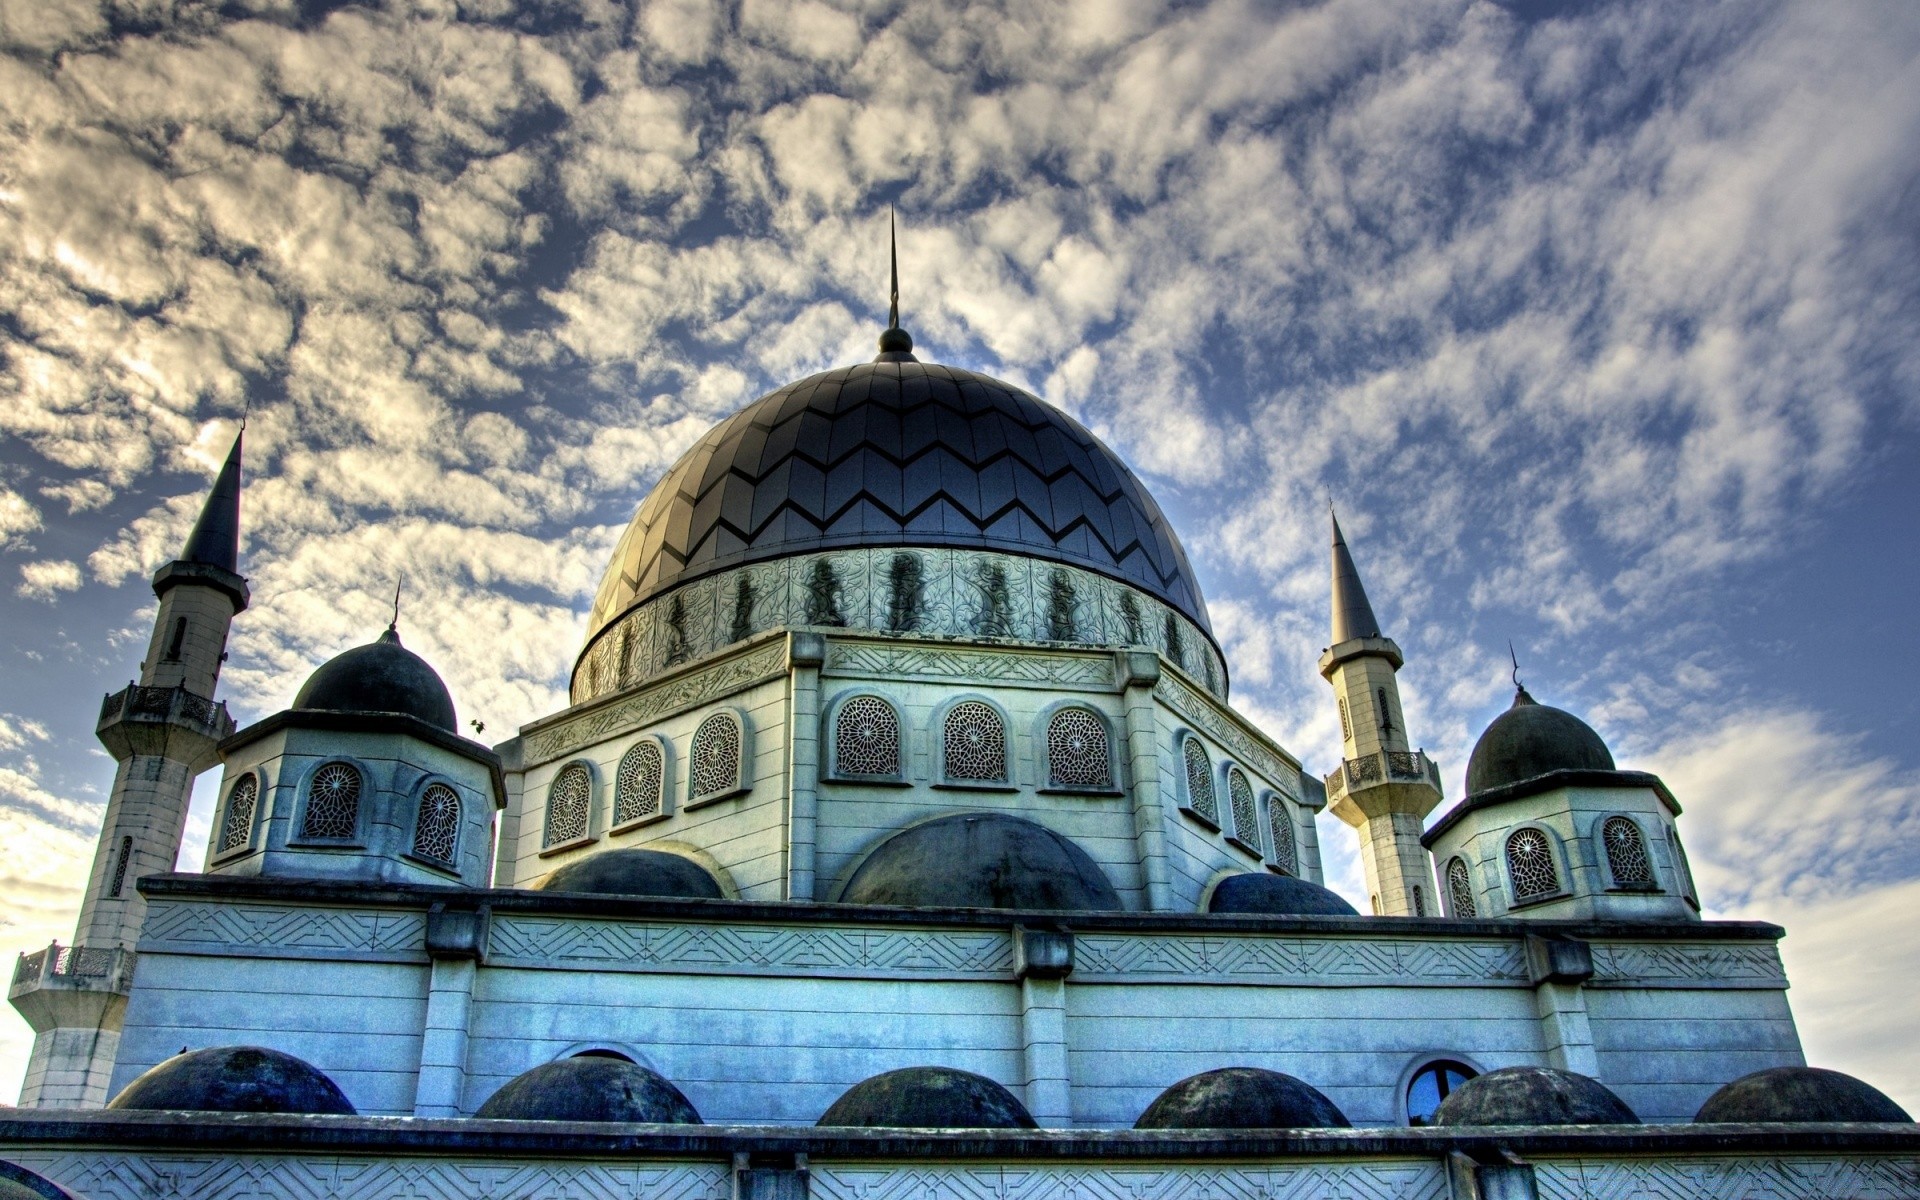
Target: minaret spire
(1352, 615)
(215, 540)
(896, 345)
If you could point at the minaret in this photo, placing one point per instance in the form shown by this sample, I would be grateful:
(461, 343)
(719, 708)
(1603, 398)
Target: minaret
(1383, 787)
(163, 732)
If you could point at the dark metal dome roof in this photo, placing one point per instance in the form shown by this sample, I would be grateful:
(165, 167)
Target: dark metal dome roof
(1784, 1094)
(381, 677)
(1533, 1096)
(1242, 1098)
(1531, 739)
(982, 860)
(1276, 895)
(928, 1098)
(590, 1088)
(633, 871)
(897, 453)
(235, 1079)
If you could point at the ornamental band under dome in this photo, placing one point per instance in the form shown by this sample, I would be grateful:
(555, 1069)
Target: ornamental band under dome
(897, 840)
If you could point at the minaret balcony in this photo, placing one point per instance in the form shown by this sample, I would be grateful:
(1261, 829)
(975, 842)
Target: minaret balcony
(170, 722)
(71, 986)
(1381, 768)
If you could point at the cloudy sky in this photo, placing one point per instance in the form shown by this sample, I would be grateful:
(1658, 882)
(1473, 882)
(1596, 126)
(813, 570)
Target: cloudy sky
(1599, 325)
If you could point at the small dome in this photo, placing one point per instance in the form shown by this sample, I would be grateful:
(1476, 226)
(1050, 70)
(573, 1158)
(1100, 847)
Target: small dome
(381, 677)
(1276, 895)
(635, 872)
(928, 1098)
(591, 1087)
(1533, 1096)
(18, 1183)
(1242, 1098)
(235, 1079)
(1531, 739)
(1792, 1094)
(981, 860)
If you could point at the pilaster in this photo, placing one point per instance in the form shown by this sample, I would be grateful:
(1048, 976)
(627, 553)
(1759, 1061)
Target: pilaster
(1139, 672)
(805, 655)
(1043, 959)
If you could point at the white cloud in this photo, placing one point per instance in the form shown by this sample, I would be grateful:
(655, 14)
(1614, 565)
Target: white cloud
(47, 579)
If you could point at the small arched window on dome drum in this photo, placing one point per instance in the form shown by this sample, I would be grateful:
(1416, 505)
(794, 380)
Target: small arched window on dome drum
(1078, 752)
(974, 743)
(640, 784)
(569, 806)
(714, 764)
(866, 739)
(436, 831)
(1460, 889)
(1431, 1084)
(236, 828)
(333, 803)
(1286, 852)
(1200, 800)
(1530, 866)
(1246, 816)
(1626, 851)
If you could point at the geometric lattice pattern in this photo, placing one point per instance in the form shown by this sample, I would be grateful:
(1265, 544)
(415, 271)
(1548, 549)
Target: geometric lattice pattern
(1626, 853)
(1286, 852)
(333, 803)
(436, 834)
(866, 738)
(237, 829)
(1530, 865)
(640, 785)
(1460, 889)
(1200, 782)
(1077, 751)
(1246, 818)
(569, 806)
(1184, 1181)
(714, 762)
(974, 743)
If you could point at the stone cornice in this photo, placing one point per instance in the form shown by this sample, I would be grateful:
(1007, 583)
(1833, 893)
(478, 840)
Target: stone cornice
(1550, 782)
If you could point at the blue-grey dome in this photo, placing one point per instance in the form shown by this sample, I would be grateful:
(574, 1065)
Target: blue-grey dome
(1531, 739)
(1794, 1094)
(380, 677)
(1242, 1098)
(1533, 1096)
(982, 860)
(928, 1098)
(590, 1087)
(634, 871)
(235, 1079)
(1276, 895)
(897, 453)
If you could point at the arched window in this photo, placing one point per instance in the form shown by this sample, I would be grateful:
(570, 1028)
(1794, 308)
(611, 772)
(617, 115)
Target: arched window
(1460, 888)
(436, 831)
(866, 738)
(1530, 865)
(333, 803)
(236, 830)
(1430, 1085)
(1626, 850)
(974, 743)
(1419, 901)
(1246, 818)
(715, 762)
(178, 641)
(1200, 783)
(569, 805)
(640, 784)
(120, 868)
(1386, 711)
(1078, 754)
(1286, 853)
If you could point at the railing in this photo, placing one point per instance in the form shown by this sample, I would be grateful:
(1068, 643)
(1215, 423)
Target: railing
(168, 704)
(59, 962)
(1380, 767)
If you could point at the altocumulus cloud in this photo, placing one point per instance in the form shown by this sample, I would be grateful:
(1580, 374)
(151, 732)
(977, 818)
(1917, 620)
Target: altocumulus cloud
(1577, 313)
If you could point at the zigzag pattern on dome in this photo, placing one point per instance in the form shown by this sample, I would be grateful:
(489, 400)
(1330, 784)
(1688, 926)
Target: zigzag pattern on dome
(896, 454)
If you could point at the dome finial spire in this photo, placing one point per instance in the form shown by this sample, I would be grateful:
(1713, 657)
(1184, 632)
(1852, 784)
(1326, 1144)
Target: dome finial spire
(896, 345)
(393, 627)
(1520, 695)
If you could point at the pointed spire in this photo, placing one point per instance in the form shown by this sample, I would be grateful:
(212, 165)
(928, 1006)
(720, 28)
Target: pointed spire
(215, 540)
(1352, 615)
(896, 345)
(1520, 695)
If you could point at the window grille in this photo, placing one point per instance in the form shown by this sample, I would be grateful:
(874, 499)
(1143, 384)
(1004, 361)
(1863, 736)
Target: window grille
(1077, 750)
(975, 743)
(1200, 782)
(1460, 889)
(237, 830)
(333, 803)
(1419, 901)
(1386, 711)
(866, 738)
(120, 871)
(437, 832)
(640, 785)
(1286, 854)
(569, 805)
(1346, 725)
(1530, 863)
(715, 762)
(1626, 853)
(1246, 823)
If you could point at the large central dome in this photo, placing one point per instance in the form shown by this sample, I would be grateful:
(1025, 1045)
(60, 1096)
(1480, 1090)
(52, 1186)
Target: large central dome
(896, 453)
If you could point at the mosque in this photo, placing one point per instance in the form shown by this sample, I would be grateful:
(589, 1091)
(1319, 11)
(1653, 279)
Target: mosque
(898, 840)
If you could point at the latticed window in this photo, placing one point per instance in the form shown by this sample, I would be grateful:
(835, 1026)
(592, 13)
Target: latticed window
(1460, 889)
(1530, 863)
(1286, 854)
(866, 738)
(1246, 818)
(714, 763)
(1626, 853)
(974, 743)
(640, 785)
(437, 832)
(569, 805)
(1200, 782)
(242, 802)
(333, 803)
(1077, 750)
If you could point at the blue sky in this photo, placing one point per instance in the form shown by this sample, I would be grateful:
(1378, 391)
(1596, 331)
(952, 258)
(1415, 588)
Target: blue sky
(1597, 322)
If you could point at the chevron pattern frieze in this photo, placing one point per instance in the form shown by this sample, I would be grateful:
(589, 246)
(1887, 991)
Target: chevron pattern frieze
(1349, 1180)
(655, 946)
(1296, 961)
(192, 926)
(1782, 1178)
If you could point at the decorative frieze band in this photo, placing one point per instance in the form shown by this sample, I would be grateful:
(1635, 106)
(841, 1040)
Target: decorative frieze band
(190, 927)
(690, 690)
(1730, 1178)
(519, 940)
(1201, 713)
(1669, 964)
(969, 665)
(1295, 961)
(1416, 1180)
